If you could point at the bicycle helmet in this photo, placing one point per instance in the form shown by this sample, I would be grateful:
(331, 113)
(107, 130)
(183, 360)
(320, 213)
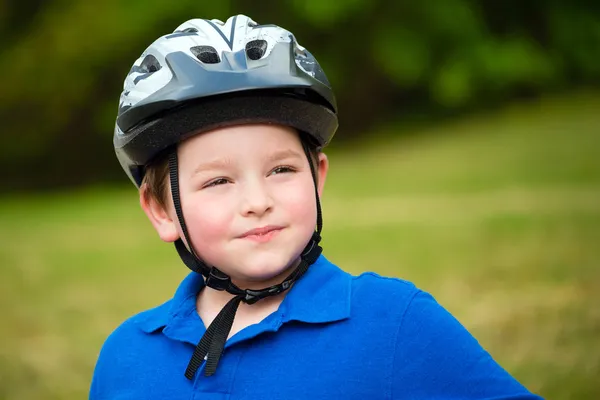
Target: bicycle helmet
(209, 74)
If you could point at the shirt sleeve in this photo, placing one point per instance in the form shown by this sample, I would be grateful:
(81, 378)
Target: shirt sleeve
(103, 377)
(112, 377)
(437, 358)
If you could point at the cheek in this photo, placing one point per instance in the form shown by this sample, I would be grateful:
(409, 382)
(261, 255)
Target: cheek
(299, 201)
(208, 222)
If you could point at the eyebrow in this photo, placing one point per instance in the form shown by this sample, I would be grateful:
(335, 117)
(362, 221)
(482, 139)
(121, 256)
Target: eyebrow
(222, 163)
(283, 154)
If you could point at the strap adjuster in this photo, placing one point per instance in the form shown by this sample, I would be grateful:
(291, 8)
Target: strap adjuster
(218, 280)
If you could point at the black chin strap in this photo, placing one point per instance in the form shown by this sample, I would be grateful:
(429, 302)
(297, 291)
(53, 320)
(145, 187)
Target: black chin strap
(212, 343)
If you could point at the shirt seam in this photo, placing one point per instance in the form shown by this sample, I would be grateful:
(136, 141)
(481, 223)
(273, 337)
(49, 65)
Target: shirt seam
(395, 341)
(383, 278)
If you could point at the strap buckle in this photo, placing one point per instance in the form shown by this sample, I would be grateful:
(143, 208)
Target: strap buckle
(252, 296)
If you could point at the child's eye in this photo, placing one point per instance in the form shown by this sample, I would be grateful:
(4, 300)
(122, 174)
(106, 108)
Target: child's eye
(216, 182)
(282, 169)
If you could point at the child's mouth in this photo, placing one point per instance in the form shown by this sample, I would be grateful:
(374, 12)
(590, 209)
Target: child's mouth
(261, 235)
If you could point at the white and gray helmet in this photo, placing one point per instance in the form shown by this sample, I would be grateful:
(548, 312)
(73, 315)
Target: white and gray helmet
(209, 74)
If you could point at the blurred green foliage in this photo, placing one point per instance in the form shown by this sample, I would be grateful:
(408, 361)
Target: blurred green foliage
(64, 62)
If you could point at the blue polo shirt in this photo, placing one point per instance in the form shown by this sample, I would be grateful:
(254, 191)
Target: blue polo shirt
(334, 336)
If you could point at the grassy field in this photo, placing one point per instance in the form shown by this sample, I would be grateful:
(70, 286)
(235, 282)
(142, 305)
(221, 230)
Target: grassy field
(498, 216)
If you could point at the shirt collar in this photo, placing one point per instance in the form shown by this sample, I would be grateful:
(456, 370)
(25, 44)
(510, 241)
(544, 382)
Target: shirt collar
(322, 295)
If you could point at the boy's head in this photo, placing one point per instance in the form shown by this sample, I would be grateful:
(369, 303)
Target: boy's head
(241, 95)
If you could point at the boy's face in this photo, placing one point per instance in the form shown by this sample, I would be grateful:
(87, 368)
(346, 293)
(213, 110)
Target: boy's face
(237, 179)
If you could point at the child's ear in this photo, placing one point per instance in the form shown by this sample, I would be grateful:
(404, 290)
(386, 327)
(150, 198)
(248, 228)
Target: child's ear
(322, 168)
(162, 221)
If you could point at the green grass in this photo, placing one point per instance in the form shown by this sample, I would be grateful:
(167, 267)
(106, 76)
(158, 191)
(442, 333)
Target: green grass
(497, 215)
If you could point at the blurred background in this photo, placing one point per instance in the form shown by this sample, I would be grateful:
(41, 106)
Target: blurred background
(467, 161)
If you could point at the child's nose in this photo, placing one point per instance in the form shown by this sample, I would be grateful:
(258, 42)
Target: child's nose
(256, 199)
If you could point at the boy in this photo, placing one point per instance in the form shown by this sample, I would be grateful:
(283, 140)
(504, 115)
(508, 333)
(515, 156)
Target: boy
(221, 126)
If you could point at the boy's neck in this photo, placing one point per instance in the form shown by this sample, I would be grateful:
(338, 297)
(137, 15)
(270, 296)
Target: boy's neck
(210, 302)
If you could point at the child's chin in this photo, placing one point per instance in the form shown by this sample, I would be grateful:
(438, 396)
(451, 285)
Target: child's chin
(262, 270)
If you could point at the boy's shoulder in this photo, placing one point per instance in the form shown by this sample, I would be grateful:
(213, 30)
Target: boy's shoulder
(130, 353)
(375, 290)
(141, 323)
(371, 298)
(373, 280)
(153, 319)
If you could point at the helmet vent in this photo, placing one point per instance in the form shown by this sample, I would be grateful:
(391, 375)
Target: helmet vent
(255, 49)
(206, 54)
(150, 64)
(190, 30)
